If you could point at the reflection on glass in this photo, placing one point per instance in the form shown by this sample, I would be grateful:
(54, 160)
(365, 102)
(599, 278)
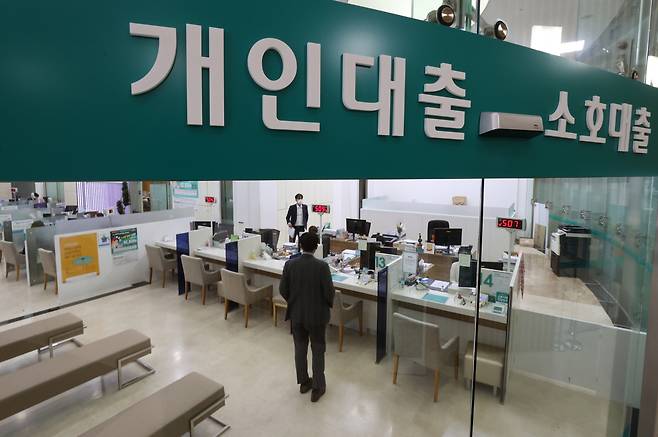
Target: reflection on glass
(579, 315)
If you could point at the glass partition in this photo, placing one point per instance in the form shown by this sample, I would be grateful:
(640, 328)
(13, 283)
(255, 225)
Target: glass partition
(578, 316)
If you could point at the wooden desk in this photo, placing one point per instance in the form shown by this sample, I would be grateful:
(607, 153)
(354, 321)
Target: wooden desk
(337, 245)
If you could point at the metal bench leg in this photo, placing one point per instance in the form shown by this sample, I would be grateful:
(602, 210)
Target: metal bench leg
(207, 414)
(54, 343)
(129, 359)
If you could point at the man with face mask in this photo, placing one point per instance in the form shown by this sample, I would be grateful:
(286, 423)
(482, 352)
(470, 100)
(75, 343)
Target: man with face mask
(297, 217)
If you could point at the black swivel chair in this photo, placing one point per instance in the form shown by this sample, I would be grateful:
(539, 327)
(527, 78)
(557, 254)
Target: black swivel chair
(435, 224)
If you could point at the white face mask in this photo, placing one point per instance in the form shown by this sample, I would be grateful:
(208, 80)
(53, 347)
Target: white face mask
(299, 201)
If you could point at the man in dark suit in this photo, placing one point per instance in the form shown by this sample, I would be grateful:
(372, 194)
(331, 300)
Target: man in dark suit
(307, 287)
(297, 217)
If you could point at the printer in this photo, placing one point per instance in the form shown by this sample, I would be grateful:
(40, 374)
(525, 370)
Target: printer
(570, 251)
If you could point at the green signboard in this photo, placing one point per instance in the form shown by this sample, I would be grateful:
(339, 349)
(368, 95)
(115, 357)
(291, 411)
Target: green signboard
(209, 90)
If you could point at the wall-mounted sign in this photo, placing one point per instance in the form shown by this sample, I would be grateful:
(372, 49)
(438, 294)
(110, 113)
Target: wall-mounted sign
(210, 199)
(124, 245)
(323, 74)
(321, 209)
(78, 255)
(510, 223)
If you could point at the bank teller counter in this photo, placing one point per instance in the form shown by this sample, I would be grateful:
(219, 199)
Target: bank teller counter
(436, 318)
(440, 263)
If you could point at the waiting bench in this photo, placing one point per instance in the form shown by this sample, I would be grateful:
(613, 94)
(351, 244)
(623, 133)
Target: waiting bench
(40, 334)
(38, 382)
(171, 411)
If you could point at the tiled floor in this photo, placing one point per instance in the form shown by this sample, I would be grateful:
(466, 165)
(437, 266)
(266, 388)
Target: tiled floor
(256, 367)
(547, 293)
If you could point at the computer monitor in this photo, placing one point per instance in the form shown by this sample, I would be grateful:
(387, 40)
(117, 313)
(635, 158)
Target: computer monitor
(357, 227)
(468, 275)
(195, 225)
(365, 230)
(368, 255)
(71, 208)
(448, 237)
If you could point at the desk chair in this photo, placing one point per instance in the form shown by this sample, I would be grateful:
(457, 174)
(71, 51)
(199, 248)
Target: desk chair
(195, 273)
(343, 313)
(421, 341)
(13, 259)
(236, 289)
(435, 224)
(49, 265)
(454, 272)
(158, 260)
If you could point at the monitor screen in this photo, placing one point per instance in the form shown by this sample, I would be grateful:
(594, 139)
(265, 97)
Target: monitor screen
(448, 237)
(354, 226)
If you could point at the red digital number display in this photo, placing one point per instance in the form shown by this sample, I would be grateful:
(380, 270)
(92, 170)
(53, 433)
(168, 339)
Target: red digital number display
(510, 223)
(320, 209)
(210, 199)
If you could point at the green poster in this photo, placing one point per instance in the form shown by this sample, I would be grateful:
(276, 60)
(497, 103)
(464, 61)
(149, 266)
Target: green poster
(123, 241)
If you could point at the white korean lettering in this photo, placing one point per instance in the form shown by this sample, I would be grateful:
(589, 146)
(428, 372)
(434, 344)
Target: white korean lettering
(594, 120)
(624, 130)
(562, 116)
(444, 116)
(164, 60)
(288, 74)
(390, 83)
(641, 131)
(196, 62)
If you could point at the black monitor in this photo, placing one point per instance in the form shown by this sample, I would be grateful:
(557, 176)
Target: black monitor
(468, 275)
(357, 227)
(448, 237)
(71, 208)
(270, 237)
(195, 225)
(368, 256)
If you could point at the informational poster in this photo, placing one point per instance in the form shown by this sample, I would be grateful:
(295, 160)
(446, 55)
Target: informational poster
(409, 262)
(103, 238)
(124, 245)
(185, 193)
(79, 255)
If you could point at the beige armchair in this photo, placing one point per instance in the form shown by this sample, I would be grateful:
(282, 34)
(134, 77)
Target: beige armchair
(278, 302)
(159, 261)
(13, 259)
(195, 273)
(421, 341)
(49, 265)
(236, 289)
(341, 314)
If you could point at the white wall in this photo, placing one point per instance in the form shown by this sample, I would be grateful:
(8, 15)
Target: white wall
(5, 190)
(116, 276)
(498, 192)
(264, 204)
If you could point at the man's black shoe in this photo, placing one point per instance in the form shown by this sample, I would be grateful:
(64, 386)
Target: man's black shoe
(304, 388)
(317, 394)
